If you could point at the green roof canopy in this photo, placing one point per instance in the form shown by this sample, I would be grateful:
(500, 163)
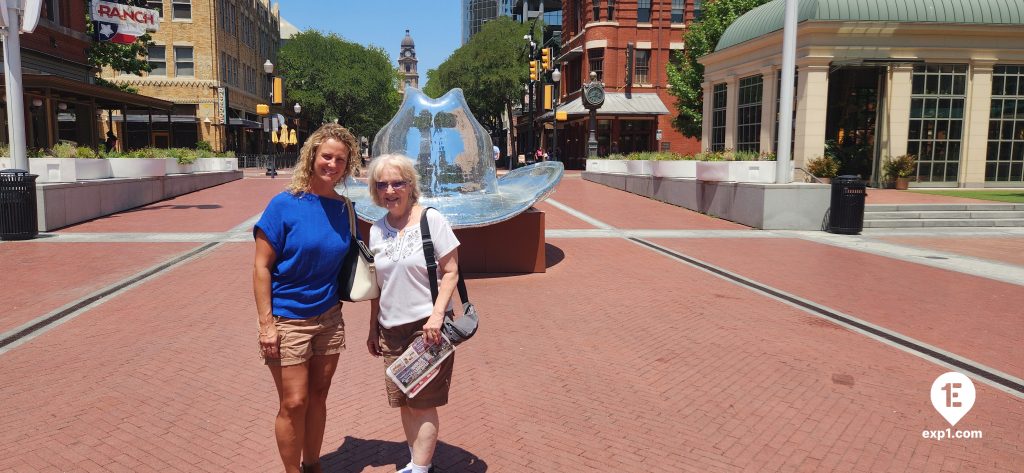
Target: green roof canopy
(768, 18)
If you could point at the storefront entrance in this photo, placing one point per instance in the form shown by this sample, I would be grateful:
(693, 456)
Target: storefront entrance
(854, 102)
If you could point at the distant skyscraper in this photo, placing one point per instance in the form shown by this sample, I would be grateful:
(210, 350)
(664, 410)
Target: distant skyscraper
(477, 12)
(407, 64)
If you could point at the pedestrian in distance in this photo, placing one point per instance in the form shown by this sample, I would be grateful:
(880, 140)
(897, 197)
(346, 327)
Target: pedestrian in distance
(301, 240)
(111, 142)
(406, 308)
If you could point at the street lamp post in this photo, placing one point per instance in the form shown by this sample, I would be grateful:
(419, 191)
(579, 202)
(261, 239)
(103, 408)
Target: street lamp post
(298, 109)
(268, 68)
(556, 76)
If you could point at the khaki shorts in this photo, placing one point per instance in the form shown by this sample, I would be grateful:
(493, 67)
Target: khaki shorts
(302, 339)
(393, 342)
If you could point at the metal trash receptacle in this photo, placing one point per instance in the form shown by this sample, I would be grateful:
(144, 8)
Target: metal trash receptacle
(18, 219)
(846, 210)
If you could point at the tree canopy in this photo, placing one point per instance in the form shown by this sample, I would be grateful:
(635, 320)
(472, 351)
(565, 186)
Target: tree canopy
(337, 79)
(685, 74)
(126, 58)
(491, 70)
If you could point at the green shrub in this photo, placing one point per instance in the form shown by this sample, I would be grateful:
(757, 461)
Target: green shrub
(64, 150)
(900, 166)
(202, 145)
(823, 166)
(5, 150)
(614, 156)
(226, 154)
(35, 152)
(183, 155)
(654, 156)
(85, 152)
(203, 153)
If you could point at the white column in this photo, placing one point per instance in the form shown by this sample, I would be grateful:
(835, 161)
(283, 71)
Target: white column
(705, 127)
(13, 85)
(974, 144)
(811, 112)
(731, 104)
(768, 108)
(896, 120)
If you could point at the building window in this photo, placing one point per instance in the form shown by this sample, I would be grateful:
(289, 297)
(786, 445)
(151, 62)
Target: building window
(597, 10)
(698, 10)
(596, 57)
(643, 11)
(184, 65)
(611, 10)
(157, 5)
(158, 60)
(641, 71)
(678, 8)
(51, 10)
(408, 67)
(748, 114)
(718, 101)
(778, 98)
(936, 120)
(182, 9)
(1005, 158)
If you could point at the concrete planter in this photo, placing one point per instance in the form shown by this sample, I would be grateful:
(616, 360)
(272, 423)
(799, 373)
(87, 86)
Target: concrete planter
(215, 164)
(595, 165)
(617, 166)
(64, 169)
(138, 167)
(736, 171)
(173, 167)
(674, 169)
(638, 167)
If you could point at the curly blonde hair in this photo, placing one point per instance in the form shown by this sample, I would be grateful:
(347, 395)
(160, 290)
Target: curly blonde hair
(307, 156)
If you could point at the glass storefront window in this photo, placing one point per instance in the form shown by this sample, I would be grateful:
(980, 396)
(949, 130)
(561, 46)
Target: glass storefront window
(936, 120)
(718, 101)
(1004, 160)
(748, 118)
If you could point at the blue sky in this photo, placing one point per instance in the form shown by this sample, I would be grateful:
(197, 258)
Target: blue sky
(435, 25)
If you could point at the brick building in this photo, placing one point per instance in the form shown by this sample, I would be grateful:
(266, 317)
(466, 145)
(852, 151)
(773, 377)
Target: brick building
(208, 61)
(595, 37)
(61, 101)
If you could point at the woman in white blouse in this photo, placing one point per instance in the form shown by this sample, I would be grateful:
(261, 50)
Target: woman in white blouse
(405, 307)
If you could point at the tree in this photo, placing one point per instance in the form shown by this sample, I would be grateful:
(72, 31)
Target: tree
(126, 58)
(491, 70)
(337, 79)
(685, 74)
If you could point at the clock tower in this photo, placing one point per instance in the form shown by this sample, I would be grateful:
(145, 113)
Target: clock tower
(407, 64)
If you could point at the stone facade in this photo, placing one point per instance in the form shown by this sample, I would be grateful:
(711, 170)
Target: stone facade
(230, 40)
(407, 64)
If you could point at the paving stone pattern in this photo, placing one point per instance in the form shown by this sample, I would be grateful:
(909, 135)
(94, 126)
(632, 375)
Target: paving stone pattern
(618, 358)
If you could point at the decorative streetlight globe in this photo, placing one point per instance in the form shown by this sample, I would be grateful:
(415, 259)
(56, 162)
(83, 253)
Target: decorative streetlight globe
(556, 75)
(268, 67)
(297, 108)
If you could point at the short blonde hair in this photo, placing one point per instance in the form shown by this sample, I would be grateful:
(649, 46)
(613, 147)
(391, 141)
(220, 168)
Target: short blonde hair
(307, 156)
(405, 169)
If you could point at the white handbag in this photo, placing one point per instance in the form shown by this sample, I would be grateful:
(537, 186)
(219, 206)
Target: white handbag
(357, 280)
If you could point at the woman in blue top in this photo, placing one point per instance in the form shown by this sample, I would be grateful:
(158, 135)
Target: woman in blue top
(300, 241)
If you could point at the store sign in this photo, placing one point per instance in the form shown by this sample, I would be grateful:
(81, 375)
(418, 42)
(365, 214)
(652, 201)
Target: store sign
(122, 24)
(222, 105)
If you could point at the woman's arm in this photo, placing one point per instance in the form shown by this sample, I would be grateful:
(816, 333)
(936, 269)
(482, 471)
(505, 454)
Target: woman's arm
(448, 266)
(373, 338)
(265, 258)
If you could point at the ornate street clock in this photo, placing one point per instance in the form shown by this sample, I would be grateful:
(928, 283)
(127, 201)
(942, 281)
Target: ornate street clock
(593, 93)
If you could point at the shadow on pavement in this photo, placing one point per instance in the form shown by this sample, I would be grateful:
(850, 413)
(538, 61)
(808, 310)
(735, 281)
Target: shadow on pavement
(552, 255)
(355, 454)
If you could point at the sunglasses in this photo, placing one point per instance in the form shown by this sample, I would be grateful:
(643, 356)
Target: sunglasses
(396, 185)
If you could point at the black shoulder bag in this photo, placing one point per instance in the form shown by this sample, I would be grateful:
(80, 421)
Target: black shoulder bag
(460, 330)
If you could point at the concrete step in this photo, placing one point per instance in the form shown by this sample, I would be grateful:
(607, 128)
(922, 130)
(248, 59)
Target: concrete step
(946, 214)
(941, 207)
(944, 222)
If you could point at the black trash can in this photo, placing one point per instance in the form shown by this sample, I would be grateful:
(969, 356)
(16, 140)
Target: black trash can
(846, 211)
(18, 205)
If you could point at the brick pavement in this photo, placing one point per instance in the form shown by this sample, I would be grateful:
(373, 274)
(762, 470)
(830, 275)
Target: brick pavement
(1004, 249)
(616, 359)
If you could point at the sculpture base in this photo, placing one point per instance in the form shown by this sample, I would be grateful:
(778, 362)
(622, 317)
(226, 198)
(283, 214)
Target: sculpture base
(513, 246)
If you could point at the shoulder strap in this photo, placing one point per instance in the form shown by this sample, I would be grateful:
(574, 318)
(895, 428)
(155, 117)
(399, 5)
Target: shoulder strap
(351, 219)
(428, 255)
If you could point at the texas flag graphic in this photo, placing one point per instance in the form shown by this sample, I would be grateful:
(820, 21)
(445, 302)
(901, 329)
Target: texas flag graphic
(123, 24)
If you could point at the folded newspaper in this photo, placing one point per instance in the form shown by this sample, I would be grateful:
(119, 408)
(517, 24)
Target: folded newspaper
(419, 364)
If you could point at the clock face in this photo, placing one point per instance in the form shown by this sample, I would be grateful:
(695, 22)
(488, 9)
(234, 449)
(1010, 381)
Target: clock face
(408, 53)
(595, 95)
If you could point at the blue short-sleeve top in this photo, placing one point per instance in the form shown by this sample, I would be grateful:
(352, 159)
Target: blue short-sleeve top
(310, 236)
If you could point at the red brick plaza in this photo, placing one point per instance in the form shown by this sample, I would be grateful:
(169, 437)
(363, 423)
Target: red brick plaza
(627, 355)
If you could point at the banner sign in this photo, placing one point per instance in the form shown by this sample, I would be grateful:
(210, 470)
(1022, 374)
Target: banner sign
(122, 24)
(222, 106)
